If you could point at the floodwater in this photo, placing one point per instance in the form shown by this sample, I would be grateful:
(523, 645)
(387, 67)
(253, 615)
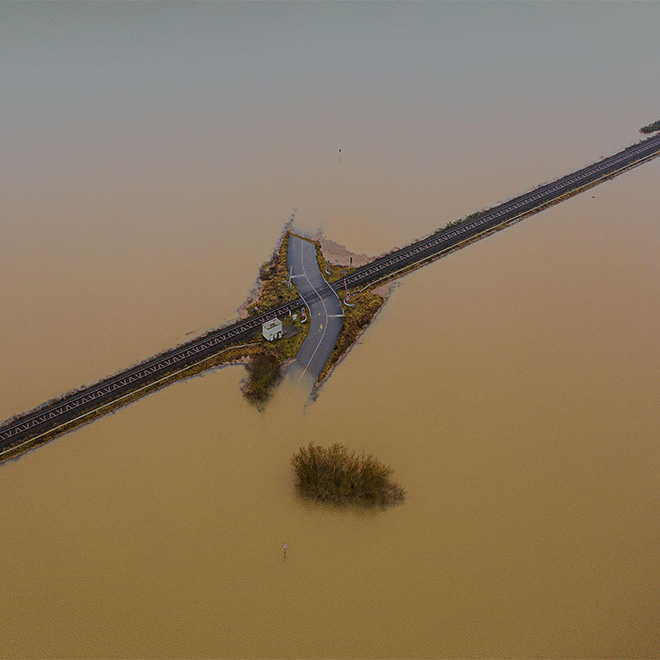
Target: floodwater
(151, 155)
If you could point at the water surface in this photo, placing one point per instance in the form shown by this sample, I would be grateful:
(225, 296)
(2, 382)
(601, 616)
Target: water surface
(153, 152)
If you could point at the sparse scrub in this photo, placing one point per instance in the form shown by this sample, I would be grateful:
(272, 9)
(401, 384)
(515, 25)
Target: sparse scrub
(288, 347)
(460, 221)
(336, 474)
(336, 271)
(273, 275)
(651, 128)
(264, 364)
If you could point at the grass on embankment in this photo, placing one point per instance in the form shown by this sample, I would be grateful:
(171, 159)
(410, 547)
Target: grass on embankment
(263, 373)
(274, 293)
(265, 362)
(229, 355)
(273, 277)
(246, 349)
(338, 475)
(364, 306)
(356, 319)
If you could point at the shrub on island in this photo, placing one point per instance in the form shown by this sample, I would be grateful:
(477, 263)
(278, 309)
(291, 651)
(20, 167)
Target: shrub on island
(335, 474)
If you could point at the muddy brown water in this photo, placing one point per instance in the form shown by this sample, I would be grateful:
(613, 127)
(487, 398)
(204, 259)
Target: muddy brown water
(513, 386)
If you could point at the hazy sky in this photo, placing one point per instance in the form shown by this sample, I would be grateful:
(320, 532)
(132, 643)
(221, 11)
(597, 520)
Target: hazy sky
(92, 82)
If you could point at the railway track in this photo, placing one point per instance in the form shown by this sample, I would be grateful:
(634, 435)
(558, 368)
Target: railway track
(62, 412)
(504, 214)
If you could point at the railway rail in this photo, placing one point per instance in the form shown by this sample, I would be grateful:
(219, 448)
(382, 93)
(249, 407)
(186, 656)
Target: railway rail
(504, 214)
(61, 412)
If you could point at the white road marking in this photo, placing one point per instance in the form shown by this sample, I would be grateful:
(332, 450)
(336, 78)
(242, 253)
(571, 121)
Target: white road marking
(333, 291)
(302, 263)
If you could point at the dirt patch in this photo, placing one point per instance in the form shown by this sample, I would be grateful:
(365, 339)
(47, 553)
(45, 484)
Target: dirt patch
(339, 254)
(383, 290)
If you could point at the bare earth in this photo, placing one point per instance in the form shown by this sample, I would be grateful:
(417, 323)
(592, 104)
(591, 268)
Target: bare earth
(338, 254)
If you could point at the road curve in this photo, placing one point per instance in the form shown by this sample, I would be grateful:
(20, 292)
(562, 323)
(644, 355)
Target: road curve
(59, 413)
(325, 309)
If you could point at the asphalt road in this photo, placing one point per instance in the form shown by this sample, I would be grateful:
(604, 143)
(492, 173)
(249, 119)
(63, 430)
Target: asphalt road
(325, 309)
(81, 403)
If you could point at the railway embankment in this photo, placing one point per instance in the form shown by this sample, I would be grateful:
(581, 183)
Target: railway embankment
(251, 350)
(362, 307)
(278, 298)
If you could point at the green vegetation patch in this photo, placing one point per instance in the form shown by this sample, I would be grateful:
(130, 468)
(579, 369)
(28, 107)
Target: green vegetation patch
(356, 319)
(336, 474)
(651, 128)
(273, 276)
(265, 361)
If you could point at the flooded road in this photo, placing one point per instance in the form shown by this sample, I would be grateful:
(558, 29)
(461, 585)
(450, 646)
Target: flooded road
(153, 157)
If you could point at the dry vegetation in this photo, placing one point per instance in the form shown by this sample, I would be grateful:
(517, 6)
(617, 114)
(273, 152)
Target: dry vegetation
(273, 276)
(264, 363)
(264, 372)
(365, 305)
(336, 272)
(336, 474)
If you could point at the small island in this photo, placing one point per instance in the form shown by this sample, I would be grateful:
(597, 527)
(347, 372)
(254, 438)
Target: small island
(265, 361)
(337, 475)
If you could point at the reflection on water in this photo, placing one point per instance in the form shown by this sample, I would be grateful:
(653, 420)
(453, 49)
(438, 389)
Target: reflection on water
(512, 386)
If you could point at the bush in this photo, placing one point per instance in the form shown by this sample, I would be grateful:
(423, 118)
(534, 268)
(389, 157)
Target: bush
(338, 475)
(263, 372)
(651, 128)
